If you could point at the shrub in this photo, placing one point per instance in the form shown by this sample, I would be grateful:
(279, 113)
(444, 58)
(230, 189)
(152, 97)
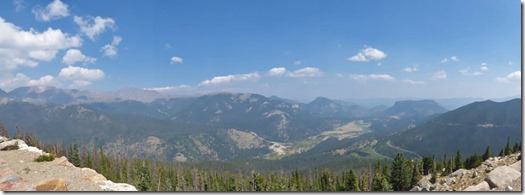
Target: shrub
(45, 158)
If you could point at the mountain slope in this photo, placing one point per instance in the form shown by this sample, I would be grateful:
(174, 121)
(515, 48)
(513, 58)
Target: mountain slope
(270, 119)
(324, 107)
(406, 114)
(470, 128)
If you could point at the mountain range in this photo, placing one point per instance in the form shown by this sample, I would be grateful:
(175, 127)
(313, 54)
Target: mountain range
(226, 126)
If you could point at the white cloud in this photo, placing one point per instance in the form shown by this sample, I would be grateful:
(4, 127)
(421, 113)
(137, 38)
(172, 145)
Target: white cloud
(167, 46)
(26, 48)
(111, 50)
(412, 82)
(305, 72)
(74, 73)
(176, 60)
(453, 58)
(169, 89)
(74, 55)
(362, 78)
(516, 75)
(384, 77)
(439, 75)
(9, 81)
(484, 67)
(298, 62)
(411, 69)
(276, 71)
(19, 5)
(92, 27)
(379, 64)
(510, 63)
(231, 78)
(466, 72)
(368, 54)
(53, 11)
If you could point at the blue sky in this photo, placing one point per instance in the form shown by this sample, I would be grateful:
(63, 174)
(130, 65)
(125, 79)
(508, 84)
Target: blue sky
(293, 48)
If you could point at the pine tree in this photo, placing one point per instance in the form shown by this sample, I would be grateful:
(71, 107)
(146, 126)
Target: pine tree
(508, 149)
(145, 178)
(427, 165)
(516, 147)
(351, 182)
(416, 176)
(459, 162)
(434, 177)
(487, 154)
(73, 154)
(400, 174)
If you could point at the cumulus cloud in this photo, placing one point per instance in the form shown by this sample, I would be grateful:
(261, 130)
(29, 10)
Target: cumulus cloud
(305, 72)
(92, 27)
(79, 76)
(74, 55)
(176, 60)
(484, 67)
(19, 5)
(412, 82)
(9, 81)
(298, 62)
(453, 59)
(26, 48)
(53, 11)
(411, 69)
(439, 75)
(276, 71)
(231, 78)
(111, 50)
(368, 54)
(513, 76)
(361, 77)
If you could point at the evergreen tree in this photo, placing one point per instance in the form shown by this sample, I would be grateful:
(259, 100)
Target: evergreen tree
(508, 149)
(73, 154)
(351, 182)
(380, 183)
(459, 162)
(502, 152)
(416, 176)
(487, 154)
(434, 177)
(145, 178)
(427, 165)
(400, 174)
(516, 147)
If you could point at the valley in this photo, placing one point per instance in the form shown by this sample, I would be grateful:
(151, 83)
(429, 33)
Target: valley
(242, 126)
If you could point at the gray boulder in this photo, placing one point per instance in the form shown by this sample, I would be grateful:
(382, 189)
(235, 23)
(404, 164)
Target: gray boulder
(502, 176)
(516, 165)
(483, 186)
(459, 173)
(11, 144)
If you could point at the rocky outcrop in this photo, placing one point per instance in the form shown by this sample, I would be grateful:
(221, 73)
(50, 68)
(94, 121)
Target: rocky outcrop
(19, 172)
(494, 174)
(483, 186)
(52, 185)
(502, 177)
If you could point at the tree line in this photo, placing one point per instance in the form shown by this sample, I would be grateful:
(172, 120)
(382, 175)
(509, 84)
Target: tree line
(149, 175)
